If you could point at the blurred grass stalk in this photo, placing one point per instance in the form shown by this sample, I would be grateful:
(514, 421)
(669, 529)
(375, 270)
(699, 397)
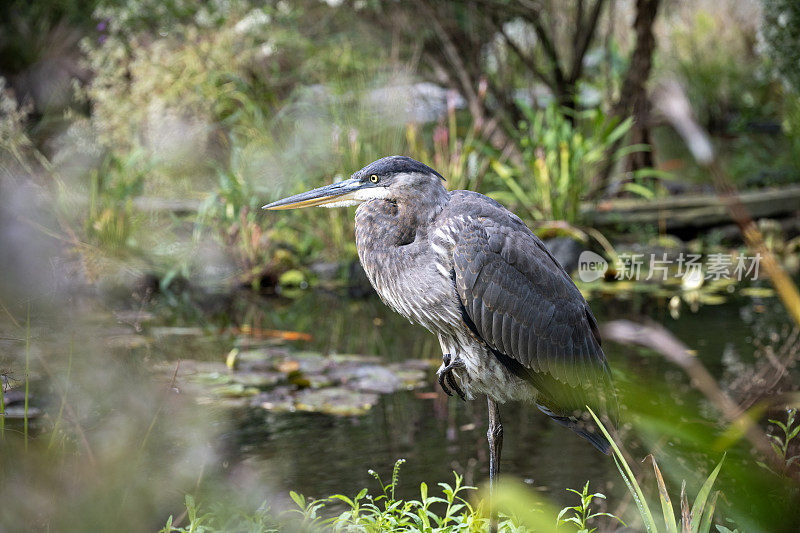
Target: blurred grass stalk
(57, 423)
(659, 339)
(2, 409)
(27, 372)
(671, 101)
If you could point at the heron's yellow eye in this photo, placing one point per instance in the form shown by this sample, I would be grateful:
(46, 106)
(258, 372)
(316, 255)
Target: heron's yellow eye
(374, 178)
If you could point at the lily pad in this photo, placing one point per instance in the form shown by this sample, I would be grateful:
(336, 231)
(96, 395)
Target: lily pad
(370, 378)
(335, 401)
(277, 399)
(18, 412)
(311, 362)
(757, 292)
(127, 341)
(212, 378)
(258, 379)
(234, 390)
(410, 378)
(354, 358)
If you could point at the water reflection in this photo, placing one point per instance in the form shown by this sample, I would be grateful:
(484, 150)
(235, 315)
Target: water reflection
(181, 445)
(319, 455)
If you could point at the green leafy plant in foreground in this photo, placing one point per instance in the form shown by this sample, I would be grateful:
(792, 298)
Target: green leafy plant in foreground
(781, 443)
(582, 513)
(386, 513)
(222, 520)
(698, 519)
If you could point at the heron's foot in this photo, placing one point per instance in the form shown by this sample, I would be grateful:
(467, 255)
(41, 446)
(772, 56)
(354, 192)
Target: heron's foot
(445, 374)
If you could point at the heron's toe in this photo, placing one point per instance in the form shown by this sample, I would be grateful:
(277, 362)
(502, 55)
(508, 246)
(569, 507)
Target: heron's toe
(441, 375)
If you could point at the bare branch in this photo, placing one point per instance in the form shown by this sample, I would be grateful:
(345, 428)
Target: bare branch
(530, 64)
(533, 14)
(584, 34)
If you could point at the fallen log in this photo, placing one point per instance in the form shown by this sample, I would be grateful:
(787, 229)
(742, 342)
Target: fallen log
(695, 211)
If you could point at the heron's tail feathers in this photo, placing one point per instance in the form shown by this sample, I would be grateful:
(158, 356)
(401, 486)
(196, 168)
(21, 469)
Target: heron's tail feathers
(582, 427)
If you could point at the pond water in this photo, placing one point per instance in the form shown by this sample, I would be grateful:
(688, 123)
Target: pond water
(121, 344)
(318, 455)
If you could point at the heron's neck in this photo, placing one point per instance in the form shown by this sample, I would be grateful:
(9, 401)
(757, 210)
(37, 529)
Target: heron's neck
(385, 224)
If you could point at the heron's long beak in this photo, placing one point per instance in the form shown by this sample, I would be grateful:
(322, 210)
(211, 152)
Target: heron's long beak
(336, 192)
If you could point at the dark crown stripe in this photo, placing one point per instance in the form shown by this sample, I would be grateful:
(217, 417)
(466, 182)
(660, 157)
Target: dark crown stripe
(397, 164)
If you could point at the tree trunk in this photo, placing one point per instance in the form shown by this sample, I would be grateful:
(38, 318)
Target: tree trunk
(633, 98)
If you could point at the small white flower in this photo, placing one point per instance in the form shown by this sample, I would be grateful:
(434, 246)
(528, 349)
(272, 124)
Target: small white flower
(266, 49)
(252, 21)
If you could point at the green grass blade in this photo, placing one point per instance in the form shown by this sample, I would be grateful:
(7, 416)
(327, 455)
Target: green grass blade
(54, 431)
(630, 479)
(666, 503)
(708, 515)
(702, 496)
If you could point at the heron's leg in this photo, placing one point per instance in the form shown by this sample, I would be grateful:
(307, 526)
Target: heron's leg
(495, 436)
(445, 372)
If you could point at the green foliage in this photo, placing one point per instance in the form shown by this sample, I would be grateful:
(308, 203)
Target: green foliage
(715, 56)
(782, 442)
(559, 160)
(18, 151)
(582, 513)
(698, 519)
(448, 512)
(222, 520)
(110, 222)
(781, 33)
(791, 125)
(232, 214)
(454, 154)
(384, 512)
(183, 82)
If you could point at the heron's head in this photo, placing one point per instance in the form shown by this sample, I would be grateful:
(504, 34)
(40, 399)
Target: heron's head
(398, 178)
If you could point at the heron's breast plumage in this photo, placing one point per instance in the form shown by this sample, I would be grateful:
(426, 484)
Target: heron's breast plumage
(415, 279)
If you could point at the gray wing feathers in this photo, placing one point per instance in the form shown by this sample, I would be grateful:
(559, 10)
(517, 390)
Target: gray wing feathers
(525, 306)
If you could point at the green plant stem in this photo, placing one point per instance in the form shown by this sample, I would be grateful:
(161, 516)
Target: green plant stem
(63, 395)
(629, 478)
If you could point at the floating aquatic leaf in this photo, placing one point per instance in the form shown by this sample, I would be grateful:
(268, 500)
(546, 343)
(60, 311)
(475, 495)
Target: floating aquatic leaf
(127, 341)
(757, 292)
(311, 362)
(288, 366)
(292, 278)
(411, 378)
(176, 332)
(369, 378)
(354, 358)
(231, 361)
(238, 402)
(234, 390)
(335, 400)
(712, 299)
(258, 379)
(18, 412)
(278, 399)
(212, 378)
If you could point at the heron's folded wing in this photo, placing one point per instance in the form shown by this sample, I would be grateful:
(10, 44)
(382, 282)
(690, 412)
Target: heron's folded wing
(523, 305)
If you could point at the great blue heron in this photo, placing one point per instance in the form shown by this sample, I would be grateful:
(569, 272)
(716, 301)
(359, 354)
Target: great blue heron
(511, 323)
